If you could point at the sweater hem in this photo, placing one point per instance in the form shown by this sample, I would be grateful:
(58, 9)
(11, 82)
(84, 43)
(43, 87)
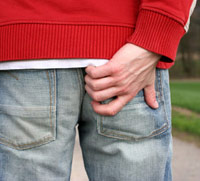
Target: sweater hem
(47, 41)
(36, 21)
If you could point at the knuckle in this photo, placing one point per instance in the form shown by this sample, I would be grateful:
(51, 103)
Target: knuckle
(132, 95)
(115, 69)
(96, 96)
(92, 74)
(120, 68)
(111, 112)
(86, 78)
(94, 86)
(152, 95)
(122, 79)
(124, 90)
(112, 80)
(112, 69)
(96, 109)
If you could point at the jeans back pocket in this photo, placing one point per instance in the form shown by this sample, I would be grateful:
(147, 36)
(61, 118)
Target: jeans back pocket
(137, 120)
(27, 108)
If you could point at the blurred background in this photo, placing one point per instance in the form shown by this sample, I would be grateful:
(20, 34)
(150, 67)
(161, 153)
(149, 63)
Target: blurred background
(185, 96)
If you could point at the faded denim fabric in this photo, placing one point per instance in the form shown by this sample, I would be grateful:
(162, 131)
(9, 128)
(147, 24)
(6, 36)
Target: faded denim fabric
(39, 110)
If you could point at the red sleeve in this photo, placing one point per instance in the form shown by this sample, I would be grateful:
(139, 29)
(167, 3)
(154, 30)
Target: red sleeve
(161, 24)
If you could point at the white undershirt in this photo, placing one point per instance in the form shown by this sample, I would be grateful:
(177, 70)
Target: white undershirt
(51, 63)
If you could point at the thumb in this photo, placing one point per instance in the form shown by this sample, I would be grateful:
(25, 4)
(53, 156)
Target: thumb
(150, 96)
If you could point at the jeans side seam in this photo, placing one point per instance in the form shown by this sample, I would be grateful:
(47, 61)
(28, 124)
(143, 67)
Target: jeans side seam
(50, 92)
(55, 100)
(157, 86)
(80, 79)
(164, 108)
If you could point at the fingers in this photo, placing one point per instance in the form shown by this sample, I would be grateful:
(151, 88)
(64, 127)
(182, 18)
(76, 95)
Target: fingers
(150, 96)
(103, 94)
(113, 107)
(99, 84)
(102, 71)
(99, 72)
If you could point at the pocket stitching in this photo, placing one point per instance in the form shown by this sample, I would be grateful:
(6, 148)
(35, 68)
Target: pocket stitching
(47, 138)
(114, 134)
(41, 141)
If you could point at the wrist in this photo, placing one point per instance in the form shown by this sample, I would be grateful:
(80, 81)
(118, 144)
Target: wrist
(142, 51)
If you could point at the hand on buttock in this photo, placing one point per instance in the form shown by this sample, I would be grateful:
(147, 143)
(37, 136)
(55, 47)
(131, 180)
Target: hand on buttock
(131, 69)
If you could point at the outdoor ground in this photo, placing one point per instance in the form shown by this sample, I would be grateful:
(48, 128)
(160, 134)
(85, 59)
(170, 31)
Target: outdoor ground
(185, 96)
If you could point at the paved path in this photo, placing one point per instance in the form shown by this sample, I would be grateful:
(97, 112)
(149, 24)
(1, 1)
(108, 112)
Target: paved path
(186, 162)
(78, 171)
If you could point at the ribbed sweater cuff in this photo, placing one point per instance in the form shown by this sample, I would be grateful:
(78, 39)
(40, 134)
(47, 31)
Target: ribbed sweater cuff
(46, 41)
(157, 33)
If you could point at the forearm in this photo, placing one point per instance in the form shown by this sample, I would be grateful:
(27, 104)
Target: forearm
(160, 26)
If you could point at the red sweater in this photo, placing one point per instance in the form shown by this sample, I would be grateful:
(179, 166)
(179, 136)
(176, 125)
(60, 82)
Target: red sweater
(37, 29)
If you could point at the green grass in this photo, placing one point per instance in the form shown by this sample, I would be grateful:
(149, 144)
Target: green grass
(184, 123)
(186, 94)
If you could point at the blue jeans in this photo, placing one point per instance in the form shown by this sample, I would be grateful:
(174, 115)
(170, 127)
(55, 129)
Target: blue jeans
(39, 110)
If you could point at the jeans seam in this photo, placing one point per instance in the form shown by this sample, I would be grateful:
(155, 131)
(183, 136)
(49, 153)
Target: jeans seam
(159, 131)
(50, 92)
(80, 79)
(163, 99)
(10, 143)
(55, 100)
(81, 89)
(114, 134)
(48, 136)
(160, 85)
(158, 88)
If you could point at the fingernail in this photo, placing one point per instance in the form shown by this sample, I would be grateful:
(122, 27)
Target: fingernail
(156, 104)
